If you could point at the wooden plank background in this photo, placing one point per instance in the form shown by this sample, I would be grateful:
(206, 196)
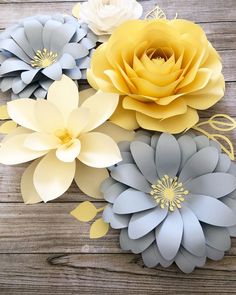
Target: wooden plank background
(43, 250)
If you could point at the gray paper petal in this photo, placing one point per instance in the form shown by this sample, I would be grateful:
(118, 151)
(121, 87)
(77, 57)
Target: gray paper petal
(67, 62)
(19, 37)
(143, 136)
(11, 46)
(126, 158)
(223, 164)
(131, 201)
(27, 92)
(113, 192)
(18, 85)
(150, 256)
(107, 213)
(197, 261)
(138, 245)
(211, 210)
(74, 74)
(88, 43)
(65, 31)
(40, 93)
(33, 32)
(193, 236)
(13, 64)
(187, 148)
(183, 263)
(144, 158)
(143, 222)
(106, 184)
(6, 83)
(200, 163)
(124, 146)
(213, 184)
(169, 235)
(129, 174)
(214, 254)
(201, 142)
(232, 169)
(119, 221)
(76, 50)
(167, 155)
(217, 237)
(28, 76)
(216, 145)
(53, 72)
(48, 31)
(154, 140)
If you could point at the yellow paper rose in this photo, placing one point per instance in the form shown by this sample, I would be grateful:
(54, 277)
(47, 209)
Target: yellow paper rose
(164, 71)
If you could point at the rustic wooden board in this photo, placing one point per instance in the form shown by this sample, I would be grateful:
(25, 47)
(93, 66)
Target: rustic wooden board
(43, 250)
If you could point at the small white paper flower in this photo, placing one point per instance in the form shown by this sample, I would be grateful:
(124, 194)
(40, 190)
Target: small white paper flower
(103, 16)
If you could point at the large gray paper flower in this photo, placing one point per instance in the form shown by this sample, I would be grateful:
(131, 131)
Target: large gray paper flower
(173, 200)
(39, 50)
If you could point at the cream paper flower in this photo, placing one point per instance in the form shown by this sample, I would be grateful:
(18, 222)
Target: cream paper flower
(65, 140)
(103, 16)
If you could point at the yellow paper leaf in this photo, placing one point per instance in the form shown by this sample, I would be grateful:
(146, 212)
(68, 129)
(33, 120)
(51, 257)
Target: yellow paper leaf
(7, 127)
(222, 122)
(98, 229)
(219, 138)
(3, 112)
(76, 10)
(85, 212)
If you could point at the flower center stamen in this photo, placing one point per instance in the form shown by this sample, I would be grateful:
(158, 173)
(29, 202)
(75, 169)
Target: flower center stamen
(43, 58)
(63, 135)
(168, 193)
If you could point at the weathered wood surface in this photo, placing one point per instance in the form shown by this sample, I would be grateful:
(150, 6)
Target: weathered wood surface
(43, 250)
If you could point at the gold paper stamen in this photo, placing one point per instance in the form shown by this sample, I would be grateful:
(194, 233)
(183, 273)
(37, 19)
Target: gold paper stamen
(169, 193)
(44, 58)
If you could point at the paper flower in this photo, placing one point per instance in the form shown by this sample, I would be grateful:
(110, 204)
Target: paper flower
(173, 200)
(164, 72)
(39, 50)
(103, 17)
(67, 141)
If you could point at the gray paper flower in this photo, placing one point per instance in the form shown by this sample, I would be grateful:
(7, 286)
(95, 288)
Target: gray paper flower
(173, 199)
(39, 50)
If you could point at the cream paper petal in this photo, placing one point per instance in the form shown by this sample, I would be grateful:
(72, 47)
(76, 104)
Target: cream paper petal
(89, 179)
(17, 131)
(138, 245)
(22, 112)
(49, 118)
(14, 152)
(68, 152)
(167, 155)
(117, 133)
(85, 94)
(202, 162)
(101, 106)
(41, 141)
(169, 235)
(98, 150)
(64, 95)
(217, 237)
(52, 177)
(77, 120)
(28, 191)
(142, 223)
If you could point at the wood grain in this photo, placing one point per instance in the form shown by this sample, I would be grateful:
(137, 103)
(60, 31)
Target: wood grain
(45, 251)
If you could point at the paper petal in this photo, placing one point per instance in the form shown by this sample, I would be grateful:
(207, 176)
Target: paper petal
(151, 256)
(223, 164)
(214, 254)
(89, 179)
(98, 229)
(7, 127)
(3, 112)
(53, 177)
(41, 141)
(98, 150)
(217, 237)
(187, 148)
(68, 152)
(28, 191)
(112, 192)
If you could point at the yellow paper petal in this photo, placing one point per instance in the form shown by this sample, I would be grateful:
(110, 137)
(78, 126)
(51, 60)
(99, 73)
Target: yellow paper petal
(124, 118)
(64, 94)
(76, 10)
(85, 212)
(53, 177)
(16, 131)
(41, 141)
(98, 229)
(69, 151)
(101, 106)
(7, 127)
(89, 179)
(84, 94)
(172, 125)
(22, 112)
(28, 192)
(77, 121)
(98, 150)
(48, 116)
(3, 112)
(115, 132)
(13, 151)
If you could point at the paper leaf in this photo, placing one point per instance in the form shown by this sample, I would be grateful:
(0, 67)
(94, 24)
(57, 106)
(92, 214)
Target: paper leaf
(7, 127)
(76, 10)
(226, 123)
(156, 13)
(219, 138)
(3, 112)
(85, 212)
(98, 229)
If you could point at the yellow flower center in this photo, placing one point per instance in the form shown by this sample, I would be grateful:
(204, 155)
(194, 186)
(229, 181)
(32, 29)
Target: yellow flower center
(169, 193)
(44, 58)
(63, 135)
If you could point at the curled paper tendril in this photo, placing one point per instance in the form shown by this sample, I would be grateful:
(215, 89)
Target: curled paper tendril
(222, 123)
